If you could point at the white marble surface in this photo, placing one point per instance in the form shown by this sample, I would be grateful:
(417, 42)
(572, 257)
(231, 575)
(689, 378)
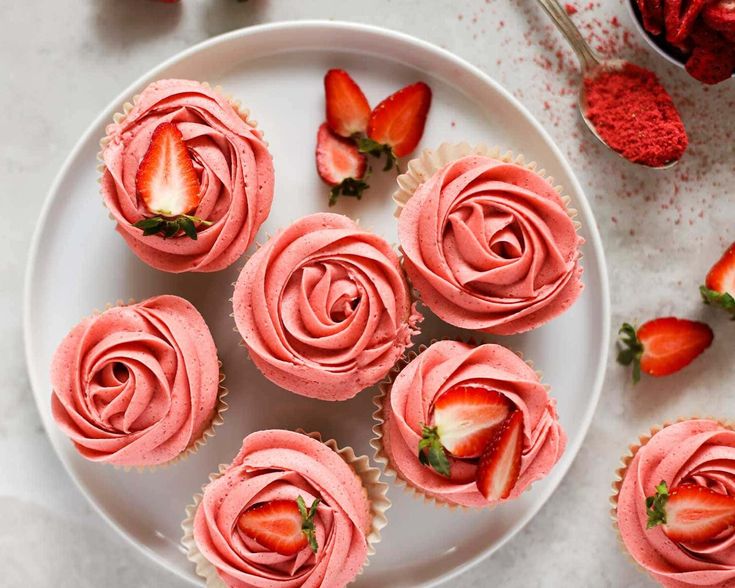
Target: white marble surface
(61, 62)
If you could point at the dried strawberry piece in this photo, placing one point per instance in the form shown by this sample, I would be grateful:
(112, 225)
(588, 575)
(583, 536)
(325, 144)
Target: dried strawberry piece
(652, 12)
(720, 15)
(713, 58)
(680, 18)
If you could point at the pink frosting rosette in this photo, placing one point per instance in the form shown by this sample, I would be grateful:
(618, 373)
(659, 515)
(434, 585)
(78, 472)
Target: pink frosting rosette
(137, 385)
(231, 160)
(324, 308)
(694, 451)
(281, 465)
(490, 245)
(408, 405)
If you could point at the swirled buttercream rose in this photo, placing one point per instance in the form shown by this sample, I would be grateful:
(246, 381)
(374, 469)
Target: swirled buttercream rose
(323, 308)
(490, 245)
(699, 452)
(232, 169)
(275, 469)
(411, 401)
(136, 385)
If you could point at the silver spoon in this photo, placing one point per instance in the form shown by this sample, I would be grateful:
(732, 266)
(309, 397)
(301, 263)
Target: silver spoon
(592, 64)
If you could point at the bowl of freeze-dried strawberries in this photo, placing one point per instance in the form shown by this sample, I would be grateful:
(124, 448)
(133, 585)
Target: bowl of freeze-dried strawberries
(698, 35)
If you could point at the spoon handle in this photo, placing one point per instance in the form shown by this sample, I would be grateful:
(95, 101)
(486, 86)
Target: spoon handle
(587, 57)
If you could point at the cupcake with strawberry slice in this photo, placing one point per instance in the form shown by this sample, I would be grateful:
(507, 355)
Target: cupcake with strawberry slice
(186, 176)
(467, 425)
(674, 503)
(290, 510)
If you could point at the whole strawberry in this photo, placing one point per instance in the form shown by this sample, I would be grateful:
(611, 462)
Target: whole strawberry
(662, 346)
(719, 285)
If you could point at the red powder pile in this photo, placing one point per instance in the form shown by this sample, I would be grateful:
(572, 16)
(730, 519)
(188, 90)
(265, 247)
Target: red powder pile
(634, 114)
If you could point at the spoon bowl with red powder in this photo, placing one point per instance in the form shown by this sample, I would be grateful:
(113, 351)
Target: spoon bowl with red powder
(624, 105)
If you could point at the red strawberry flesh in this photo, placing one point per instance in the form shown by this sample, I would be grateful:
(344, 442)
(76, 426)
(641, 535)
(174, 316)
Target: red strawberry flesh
(670, 344)
(348, 110)
(695, 514)
(500, 464)
(166, 180)
(399, 120)
(276, 525)
(466, 418)
(721, 278)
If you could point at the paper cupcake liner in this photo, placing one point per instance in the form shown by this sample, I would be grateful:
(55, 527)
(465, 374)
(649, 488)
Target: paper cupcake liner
(208, 432)
(380, 454)
(375, 489)
(625, 462)
(430, 161)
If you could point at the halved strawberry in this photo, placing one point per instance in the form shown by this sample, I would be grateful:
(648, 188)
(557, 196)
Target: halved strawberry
(690, 513)
(283, 526)
(466, 417)
(166, 180)
(663, 346)
(348, 110)
(340, 164)
(397, 123)
(720, 15)
(719, 286)
(500, 464)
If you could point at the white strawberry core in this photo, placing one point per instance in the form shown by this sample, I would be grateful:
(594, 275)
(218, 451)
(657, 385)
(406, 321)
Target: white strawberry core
(168, 191)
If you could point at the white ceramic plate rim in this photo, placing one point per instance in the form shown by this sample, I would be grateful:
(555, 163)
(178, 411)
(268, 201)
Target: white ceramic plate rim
(581, 203)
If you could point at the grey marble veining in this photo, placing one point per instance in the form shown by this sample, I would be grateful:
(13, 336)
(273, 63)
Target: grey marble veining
(61, 62)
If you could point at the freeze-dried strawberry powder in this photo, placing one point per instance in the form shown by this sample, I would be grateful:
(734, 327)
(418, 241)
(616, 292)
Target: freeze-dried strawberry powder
(634, 114)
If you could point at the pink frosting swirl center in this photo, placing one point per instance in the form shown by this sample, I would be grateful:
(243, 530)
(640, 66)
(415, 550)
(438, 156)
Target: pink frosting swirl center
(442, 366)
(490, 246)
(136, 385)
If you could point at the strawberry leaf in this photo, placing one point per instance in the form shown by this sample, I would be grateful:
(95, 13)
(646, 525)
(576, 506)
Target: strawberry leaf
(630, 350)
(348, 187)
(655, 506)
(722, 299)
(371, 147)
(432, 452)
(307, 521)
(171, 226)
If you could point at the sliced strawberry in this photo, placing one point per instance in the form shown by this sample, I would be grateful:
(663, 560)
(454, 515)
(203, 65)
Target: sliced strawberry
(466, 418)
(720, 15)
(348, 110)
(719, 286)
(663, 346)
(340, 164)
(283, 526)
(500, 464)
(680, 17)
(690, 513)
(166, 180)
(397, 123)
(652, 12)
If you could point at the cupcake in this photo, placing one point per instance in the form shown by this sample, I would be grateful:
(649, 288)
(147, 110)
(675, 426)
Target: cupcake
(186, 176)
(674, 504)
(488, 242)
(467, 425)
(138, 385)
(323, 308)
(288, 511)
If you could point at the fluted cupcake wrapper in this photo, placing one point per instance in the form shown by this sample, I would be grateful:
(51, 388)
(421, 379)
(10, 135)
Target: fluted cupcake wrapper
(625, 462)
(375, 489)
(379, 400)
(217, 417)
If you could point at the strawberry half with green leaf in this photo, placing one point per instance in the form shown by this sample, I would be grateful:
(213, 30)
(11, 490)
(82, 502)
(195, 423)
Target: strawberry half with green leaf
(662, 346)
(719, 286)
(690, 513)
(340, 165)
(397, 124)
(500, 464)
(168, 185)
(348, 110)
(283, 526)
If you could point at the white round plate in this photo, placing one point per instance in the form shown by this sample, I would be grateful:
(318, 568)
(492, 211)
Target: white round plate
(78, 263)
